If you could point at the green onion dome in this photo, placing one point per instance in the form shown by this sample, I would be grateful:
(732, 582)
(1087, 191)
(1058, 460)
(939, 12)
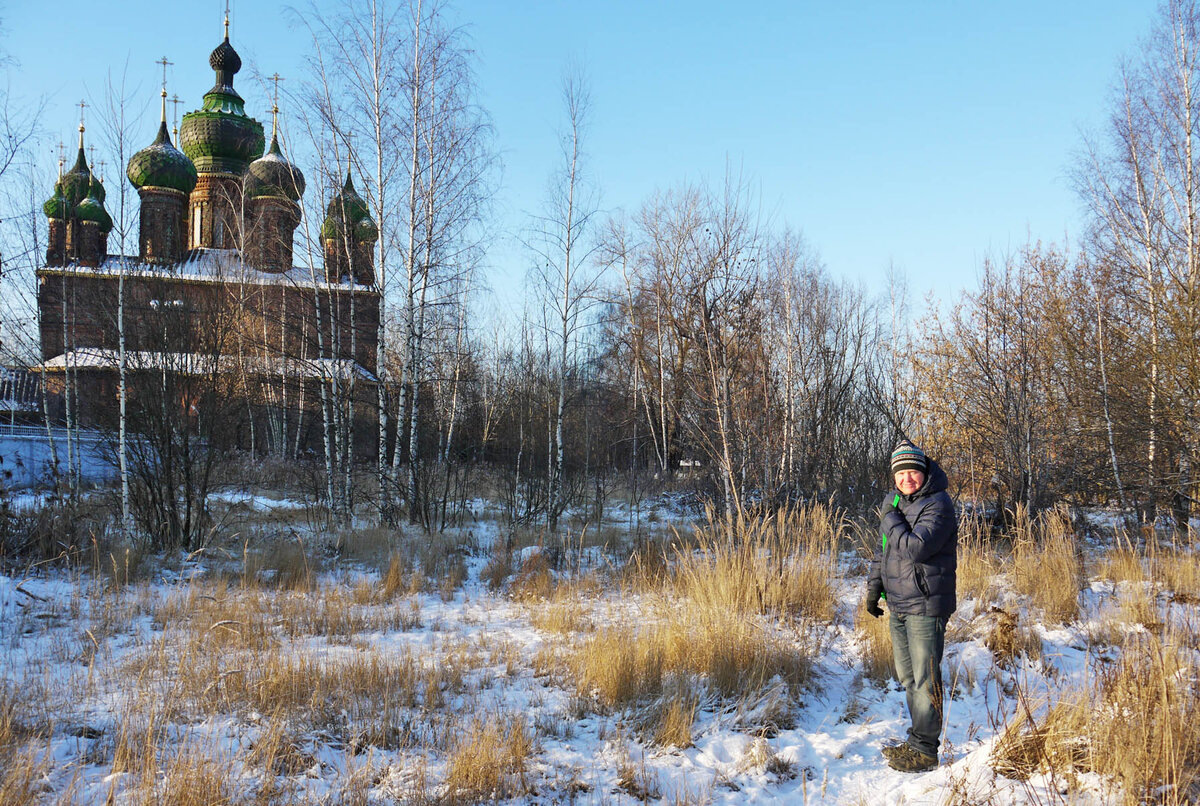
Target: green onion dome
(92, 207)
(346, 207)
(271, 175)
(75, 182)
(220, 137)
(57, 206)
(365, 231)
(162, 165)
(333, 229)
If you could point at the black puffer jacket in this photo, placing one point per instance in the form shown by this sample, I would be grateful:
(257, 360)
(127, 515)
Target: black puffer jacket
(918, 557)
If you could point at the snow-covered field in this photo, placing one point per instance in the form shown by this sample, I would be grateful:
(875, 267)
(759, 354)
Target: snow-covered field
(436, 676)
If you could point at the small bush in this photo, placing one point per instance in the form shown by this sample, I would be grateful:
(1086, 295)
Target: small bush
(1009, 639)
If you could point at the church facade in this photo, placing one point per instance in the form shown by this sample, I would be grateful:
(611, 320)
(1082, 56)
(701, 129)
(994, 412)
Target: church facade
(213, 293)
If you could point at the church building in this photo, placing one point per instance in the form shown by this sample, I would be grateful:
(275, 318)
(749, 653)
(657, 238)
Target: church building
(214, 287)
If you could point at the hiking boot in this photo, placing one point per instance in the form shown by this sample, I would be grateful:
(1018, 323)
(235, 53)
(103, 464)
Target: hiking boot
(907, 758)
(891, 747)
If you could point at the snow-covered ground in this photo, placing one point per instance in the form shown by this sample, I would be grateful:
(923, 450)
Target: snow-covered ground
(70, 645)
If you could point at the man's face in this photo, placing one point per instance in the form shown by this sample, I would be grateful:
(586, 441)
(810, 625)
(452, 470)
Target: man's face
(909, 481)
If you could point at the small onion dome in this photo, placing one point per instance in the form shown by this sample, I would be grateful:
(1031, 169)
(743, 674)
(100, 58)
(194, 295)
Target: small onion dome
(95, 199)
(57, 206)
(271, 175)
(221, 137)
(75, 182)
(92, 207)
(333, 229)
(348, 203)
(346, 207)
(225, 61)
(365, 231)
(162, 165)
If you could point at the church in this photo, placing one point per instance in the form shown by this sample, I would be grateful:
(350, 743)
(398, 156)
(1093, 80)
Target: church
(213, 294)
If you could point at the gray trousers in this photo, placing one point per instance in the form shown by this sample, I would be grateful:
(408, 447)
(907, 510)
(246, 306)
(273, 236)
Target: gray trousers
(917, 644)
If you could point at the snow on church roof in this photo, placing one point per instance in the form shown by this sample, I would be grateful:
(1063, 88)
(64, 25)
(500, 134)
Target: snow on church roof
(210, 265)
(202, 363)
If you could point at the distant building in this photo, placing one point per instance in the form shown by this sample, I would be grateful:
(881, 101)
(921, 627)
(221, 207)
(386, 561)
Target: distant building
(214, 276)
(19, 396)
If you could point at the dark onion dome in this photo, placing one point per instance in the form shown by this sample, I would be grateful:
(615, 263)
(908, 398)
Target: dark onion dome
(162, 165)
(365, 231)
(225, 61)
(348, 203)
(348, 207)
(92, 207)
(75, 182)
(220, 137)
(57, 206)
(271, 175)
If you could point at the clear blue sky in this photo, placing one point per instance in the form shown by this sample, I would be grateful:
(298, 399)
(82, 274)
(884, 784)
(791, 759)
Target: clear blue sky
(929, 134)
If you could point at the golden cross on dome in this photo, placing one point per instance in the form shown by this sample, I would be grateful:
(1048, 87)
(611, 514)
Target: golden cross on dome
(275, 103)
(82, 106)
(349, 154)
(175, 102)
(163, 61)
(226, 19)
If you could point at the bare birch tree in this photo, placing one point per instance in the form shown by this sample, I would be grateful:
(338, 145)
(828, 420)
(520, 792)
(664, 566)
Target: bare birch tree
(563, 273)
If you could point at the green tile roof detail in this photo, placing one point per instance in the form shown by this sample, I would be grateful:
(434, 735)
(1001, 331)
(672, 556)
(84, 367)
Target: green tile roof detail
(220, 136)
(161, 164)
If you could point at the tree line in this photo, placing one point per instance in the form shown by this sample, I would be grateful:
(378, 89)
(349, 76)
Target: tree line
(692, 344)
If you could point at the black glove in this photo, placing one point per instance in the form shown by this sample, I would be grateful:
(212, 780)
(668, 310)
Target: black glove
(891, 502)
(874, 591)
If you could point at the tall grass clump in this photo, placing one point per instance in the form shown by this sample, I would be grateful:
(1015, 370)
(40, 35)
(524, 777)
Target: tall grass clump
(1045, 564)
(875, 642)
(736, 657)
(781, 564)
(488, 762)
(1146, 721)
(1178, 571)
(978, 565)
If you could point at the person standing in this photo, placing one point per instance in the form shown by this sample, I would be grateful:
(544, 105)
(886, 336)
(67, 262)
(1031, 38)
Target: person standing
(914, 572)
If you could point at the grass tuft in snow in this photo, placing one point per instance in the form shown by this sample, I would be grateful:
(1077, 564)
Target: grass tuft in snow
(1045, 564)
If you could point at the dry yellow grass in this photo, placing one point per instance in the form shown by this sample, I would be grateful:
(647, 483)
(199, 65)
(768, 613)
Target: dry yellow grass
(1139, 726)
(20, 777)
(1178, 571)
(1009, 638)
(1045, 564)
(735, 655)
(1122, 564)
(488, 762)
(979, 568)
(782, 564)
(875, 642)
(565, 614)
(191, 777)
